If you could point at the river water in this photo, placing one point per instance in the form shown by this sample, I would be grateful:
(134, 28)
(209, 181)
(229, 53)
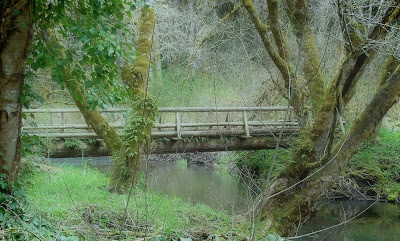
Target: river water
(223, 190)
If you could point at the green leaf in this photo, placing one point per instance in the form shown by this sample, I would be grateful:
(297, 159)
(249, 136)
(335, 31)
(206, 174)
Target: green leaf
(271, 237)
(89, 84)
(110, 51)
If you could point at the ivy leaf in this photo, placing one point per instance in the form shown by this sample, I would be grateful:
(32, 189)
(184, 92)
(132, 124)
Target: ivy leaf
(110, 51)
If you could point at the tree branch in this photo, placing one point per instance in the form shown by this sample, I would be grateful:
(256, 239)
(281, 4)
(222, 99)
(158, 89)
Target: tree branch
(280, 41)
(353, 68)
(297, 11)
(213, 29)
(287, 73)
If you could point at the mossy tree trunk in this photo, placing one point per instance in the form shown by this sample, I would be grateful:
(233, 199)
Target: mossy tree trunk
(15, 38)
(388, 70)
(137, 133)
(285, 210)
(127, 149)
(298, 16)
(93, 118)
(291, 197)
(293, 94)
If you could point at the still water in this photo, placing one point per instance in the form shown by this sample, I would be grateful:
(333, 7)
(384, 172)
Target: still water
(195, 184)
(379, 222)
(222, 190)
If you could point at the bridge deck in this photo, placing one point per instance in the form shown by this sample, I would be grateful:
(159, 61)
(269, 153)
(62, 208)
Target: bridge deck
(247, 127)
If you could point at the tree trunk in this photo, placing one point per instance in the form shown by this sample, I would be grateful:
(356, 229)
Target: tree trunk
(294, 96)
(305, 37)
(289, 203)
(15, 39)
(389, 68)
(140, 121)
(94, 119)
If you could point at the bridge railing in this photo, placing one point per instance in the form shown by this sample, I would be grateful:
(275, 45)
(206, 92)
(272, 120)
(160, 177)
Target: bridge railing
(173, 122)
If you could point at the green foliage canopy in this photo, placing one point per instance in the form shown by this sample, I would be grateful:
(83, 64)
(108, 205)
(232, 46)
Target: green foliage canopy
(95, 39)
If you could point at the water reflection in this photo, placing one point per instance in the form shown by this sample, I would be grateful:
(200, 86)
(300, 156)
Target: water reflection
(220, 190)
(380, 222)
(199, 184)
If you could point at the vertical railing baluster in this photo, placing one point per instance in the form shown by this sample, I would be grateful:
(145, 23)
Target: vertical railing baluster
(246, 124)
(227, 121)
(178, 125)
(62, 121)
(51, 118)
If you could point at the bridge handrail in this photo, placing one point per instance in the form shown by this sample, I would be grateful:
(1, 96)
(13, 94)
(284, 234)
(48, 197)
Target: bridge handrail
(167, 109)
(249, 126)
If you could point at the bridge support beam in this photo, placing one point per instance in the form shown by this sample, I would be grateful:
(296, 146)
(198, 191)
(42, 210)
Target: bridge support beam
(95, 148)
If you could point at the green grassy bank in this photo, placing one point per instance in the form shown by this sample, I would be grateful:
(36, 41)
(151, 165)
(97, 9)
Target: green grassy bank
(78, 203)
(73, 203)
(373, 172)
(375, 169)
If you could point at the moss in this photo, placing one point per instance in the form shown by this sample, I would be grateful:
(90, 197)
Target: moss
(263, 27)
(144, 46)
(247, 3)
(138, 77)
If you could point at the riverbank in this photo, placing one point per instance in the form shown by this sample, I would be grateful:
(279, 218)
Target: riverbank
(76, 200)
(373, 172)
(73, 203)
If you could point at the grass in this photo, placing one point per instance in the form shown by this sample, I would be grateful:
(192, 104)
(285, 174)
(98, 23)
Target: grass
(258, 163)
(182, 163)
(374, 170)
(379, 165)
(179, 87)
(79, 202)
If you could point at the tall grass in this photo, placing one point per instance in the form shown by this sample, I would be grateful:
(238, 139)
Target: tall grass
(180, 87)
(78, 199)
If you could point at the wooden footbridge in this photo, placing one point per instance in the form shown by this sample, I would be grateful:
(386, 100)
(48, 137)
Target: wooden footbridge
(178, 130)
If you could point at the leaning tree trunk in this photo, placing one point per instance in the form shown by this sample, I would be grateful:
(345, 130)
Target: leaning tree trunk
(388, 70)
(126, 150)
(94, 119)
(15, 38)
(140, 121)
(288, 204)
(289, 201)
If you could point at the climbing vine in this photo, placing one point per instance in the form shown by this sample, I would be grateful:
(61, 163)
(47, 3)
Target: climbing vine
(138, 125)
